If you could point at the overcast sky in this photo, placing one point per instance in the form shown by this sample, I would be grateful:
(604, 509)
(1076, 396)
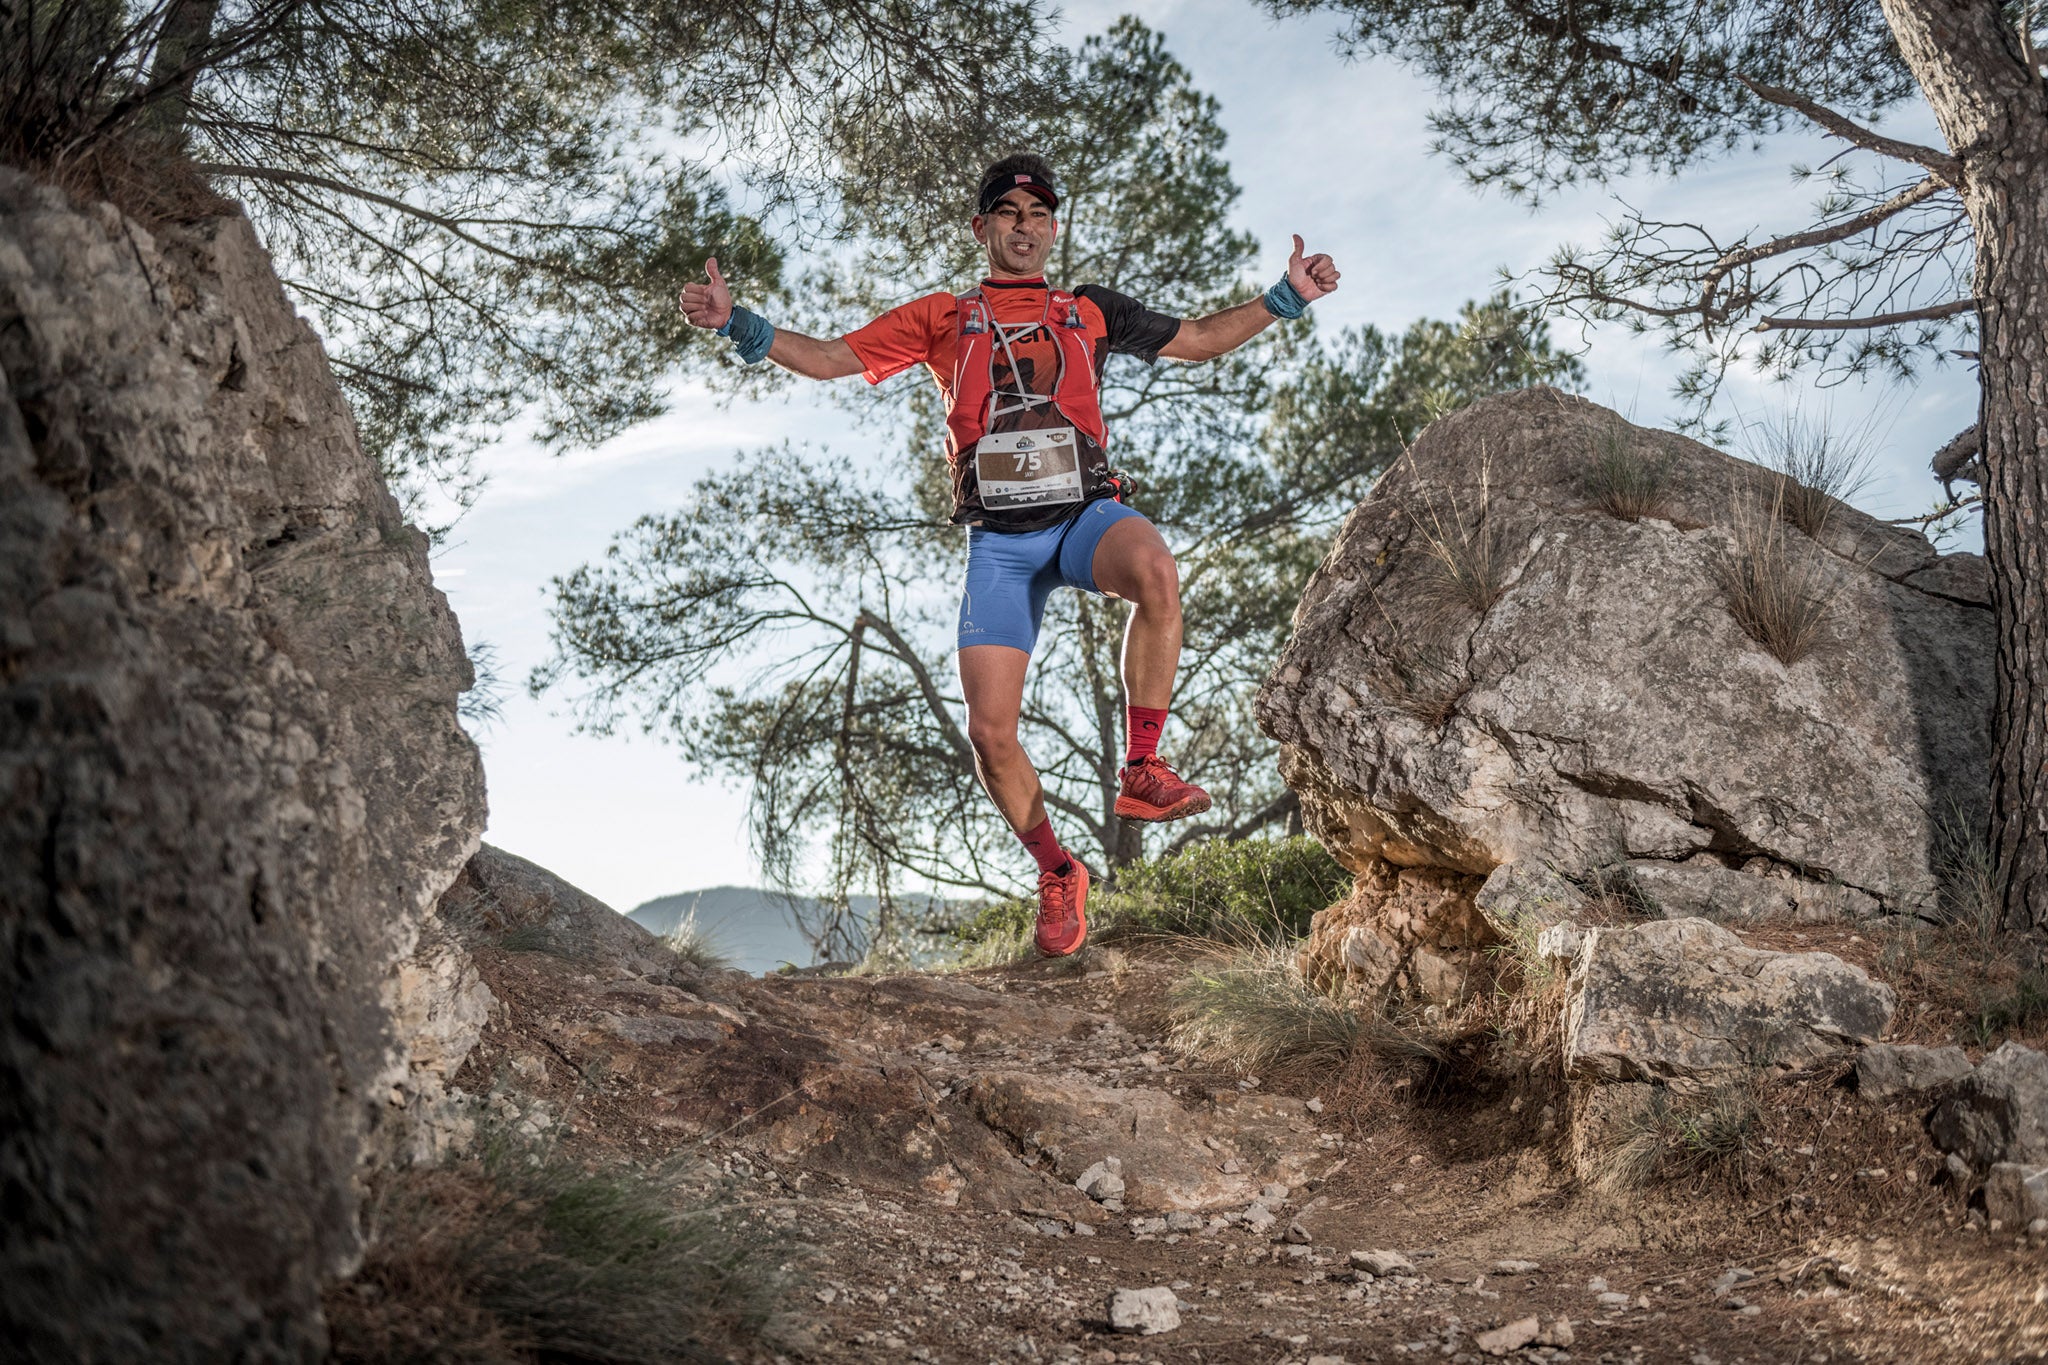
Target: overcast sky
(1337, 152)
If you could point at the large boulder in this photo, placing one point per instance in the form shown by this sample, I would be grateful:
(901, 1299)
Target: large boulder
(1685, 1003)
(1606, 709)
(234, 784)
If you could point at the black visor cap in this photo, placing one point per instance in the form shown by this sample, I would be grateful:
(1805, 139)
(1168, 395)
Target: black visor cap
(993, 191)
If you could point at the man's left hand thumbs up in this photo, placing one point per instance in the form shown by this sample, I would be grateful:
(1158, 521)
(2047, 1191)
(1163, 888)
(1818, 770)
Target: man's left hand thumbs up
(1311, 276)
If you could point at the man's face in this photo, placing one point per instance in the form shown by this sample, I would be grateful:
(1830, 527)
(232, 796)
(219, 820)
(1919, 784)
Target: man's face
(1018, 233)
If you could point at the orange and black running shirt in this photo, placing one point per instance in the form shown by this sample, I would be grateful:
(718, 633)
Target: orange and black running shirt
(927, 331)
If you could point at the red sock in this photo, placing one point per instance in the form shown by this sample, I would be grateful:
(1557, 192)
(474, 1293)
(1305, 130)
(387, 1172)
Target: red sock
(1143, 724)
(1044, 847)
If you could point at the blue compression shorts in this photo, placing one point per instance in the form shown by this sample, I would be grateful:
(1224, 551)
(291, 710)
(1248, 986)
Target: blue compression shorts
(1010, 574)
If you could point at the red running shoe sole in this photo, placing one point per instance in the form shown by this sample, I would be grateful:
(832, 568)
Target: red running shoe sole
(1131, 808)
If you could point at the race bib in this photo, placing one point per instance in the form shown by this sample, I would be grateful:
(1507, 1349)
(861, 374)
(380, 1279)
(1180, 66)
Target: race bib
(1028, 468)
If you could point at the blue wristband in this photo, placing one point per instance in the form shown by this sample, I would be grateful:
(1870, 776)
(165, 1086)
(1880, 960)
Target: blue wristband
(751, 334)
(1283, 300)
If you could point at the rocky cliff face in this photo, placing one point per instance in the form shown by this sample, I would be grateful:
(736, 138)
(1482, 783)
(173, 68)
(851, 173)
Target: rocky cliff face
(234, 785)
(1595, 704)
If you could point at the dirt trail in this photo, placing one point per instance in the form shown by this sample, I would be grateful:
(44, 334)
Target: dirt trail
(921, 1136)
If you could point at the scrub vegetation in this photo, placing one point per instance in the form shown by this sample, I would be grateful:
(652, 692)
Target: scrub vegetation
(1779, 584)
(523, 1255)
(1668, 1137)
(1246, 893)
(1626, 481)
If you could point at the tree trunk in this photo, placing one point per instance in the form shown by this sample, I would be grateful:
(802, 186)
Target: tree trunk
(180, 50)
(1994, 113)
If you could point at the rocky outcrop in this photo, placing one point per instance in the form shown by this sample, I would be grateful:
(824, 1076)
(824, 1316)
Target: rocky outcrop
(1489, 668)
(501, 896)
(1684, 1002)
(234, 786)
(943, 1089)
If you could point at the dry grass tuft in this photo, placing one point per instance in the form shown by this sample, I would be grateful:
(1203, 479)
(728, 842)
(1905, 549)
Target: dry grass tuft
(1255, 1012)
(1819, 468)
(1421, 677)
(1626, 481)
(1779, 590)
(696, 945)
(1692, 1138)
(524, 1256)
(1968, 898)
(1620, 892)
(1468, 565)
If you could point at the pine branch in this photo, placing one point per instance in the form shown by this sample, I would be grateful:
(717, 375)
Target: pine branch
(1938, 310)
(1944, 167)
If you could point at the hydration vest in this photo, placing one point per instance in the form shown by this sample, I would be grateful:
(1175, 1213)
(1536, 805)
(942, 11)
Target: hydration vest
(979, 408)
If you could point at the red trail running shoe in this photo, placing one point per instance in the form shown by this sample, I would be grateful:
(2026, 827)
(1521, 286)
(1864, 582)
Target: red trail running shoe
(1062, 921)
(1154, 791)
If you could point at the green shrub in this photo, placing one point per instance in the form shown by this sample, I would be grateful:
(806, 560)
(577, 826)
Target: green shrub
(1243, 890)
(1238, 891)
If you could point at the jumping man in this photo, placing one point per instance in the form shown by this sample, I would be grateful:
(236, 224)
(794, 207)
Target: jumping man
(1019, 364)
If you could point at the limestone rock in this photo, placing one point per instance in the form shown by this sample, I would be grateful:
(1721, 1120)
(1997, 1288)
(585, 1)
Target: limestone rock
(1606, 706)
(1685, 1001)
(1997, 1113)
(1103, 1180)
(2016, 1194)
(235, 784)
(1703, 888)
(1508, 1337)
(1894, 1068)
(1561, 943)
(1382, 1263)
(1527, 895)
(1144, 1312)
(1412, 931)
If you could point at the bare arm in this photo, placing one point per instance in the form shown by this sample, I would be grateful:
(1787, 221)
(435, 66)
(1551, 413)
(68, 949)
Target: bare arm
(1208, 337)
(812, 358)
(709, 306)
(1205, 338)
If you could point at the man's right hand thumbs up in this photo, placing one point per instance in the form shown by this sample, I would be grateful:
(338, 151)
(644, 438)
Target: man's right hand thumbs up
(707, 305)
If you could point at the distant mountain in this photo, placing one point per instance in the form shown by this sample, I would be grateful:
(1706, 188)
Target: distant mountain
(754, 927)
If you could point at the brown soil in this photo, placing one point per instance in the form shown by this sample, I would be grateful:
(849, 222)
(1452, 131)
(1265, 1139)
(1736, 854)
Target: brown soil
(930, 1236)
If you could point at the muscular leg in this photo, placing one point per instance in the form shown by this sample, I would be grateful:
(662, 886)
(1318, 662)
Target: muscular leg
(992, 681)
(1133, 563)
